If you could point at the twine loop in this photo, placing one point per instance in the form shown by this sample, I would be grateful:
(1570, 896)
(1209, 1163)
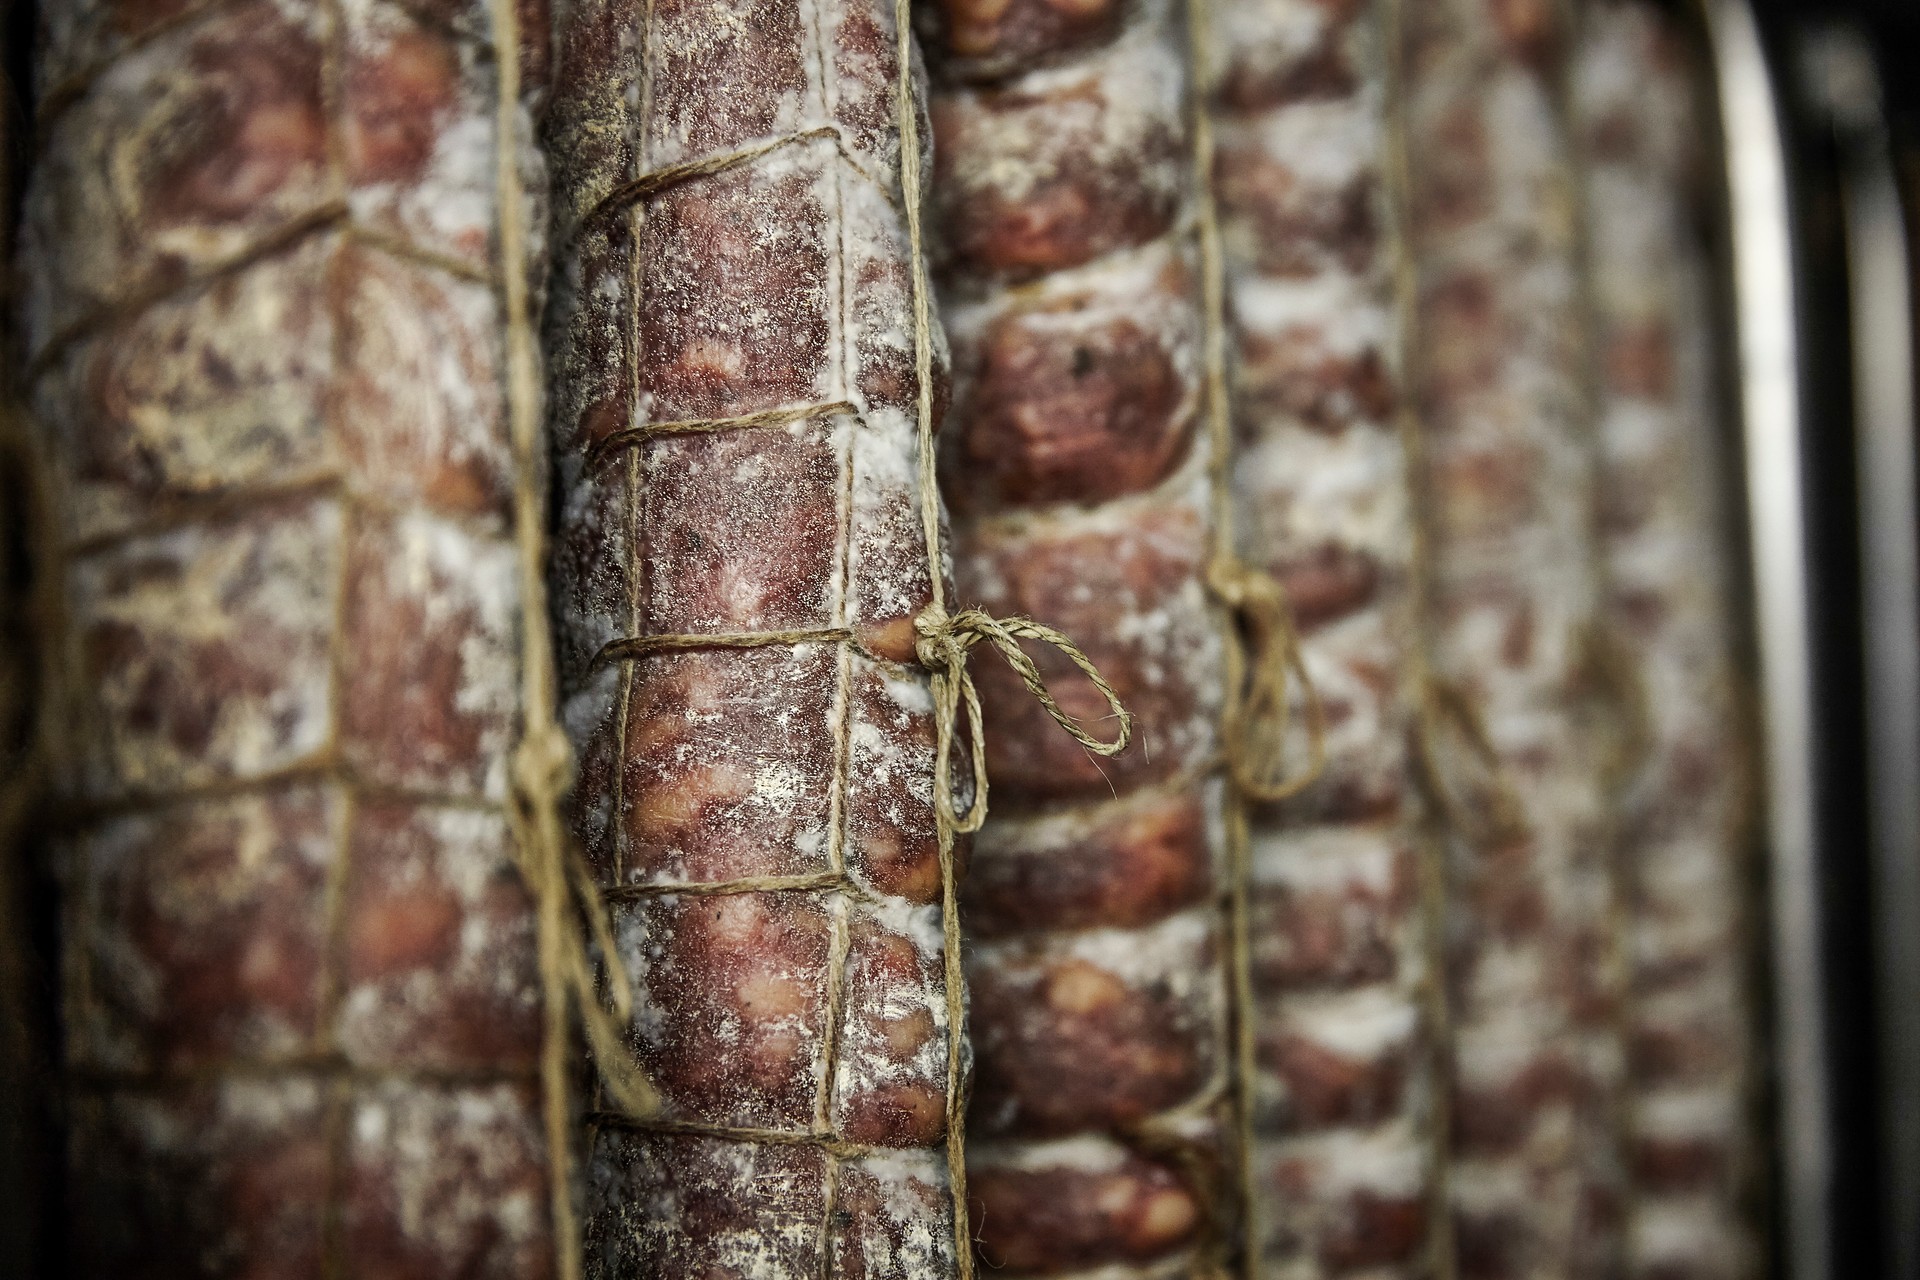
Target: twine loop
(1259, 709)
(1498, 816)
(943, 646)
(1609, 662)
(557, 872)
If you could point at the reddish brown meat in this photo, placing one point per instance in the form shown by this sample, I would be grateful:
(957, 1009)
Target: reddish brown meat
(262, 302)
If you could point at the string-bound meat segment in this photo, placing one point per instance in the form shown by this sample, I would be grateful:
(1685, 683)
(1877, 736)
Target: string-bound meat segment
(1343, 1131)
(263, 307)
(756, 788)
(1501, 387)
(1102, 1114)
(1666, 450)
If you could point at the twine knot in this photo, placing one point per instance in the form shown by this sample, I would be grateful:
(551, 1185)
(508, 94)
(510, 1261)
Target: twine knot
(944, 641)
(542, 765)
(1259, 712)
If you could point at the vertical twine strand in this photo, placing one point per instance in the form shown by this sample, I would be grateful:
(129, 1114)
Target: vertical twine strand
(944, 642)
(1260, 640)
(542, 767)
(1439, 819)
(939, 650)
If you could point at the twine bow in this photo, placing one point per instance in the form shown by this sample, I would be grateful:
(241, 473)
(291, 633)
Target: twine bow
(1259, 712)
(563, 887)
(942, 647)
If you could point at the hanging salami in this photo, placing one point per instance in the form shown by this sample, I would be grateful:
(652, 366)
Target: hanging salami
(1519, 722)
(1102, 1122)
(1692, 1155)
(742, 562)
(267, 304)
(1343, 1123)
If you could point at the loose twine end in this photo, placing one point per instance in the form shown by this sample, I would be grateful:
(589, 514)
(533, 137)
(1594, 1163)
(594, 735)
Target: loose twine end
(563, 885)
(1259, 713)
(943, 645)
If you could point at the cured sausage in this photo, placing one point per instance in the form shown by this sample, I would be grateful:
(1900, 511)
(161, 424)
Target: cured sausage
(1103, 1120)
(264, 305)
(740, 566)
(1343, 1124)
(1692, 1154)
(1522, 735)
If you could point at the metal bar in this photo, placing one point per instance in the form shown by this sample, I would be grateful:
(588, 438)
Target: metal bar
(1770, 389)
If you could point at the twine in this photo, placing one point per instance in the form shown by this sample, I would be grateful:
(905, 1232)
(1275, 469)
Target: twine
(628, 437)
(629, 647)
(542, 763)
(1619, 693)
(1442, 1259)
(1258, 711)
(1263, 642)
(1501, 817)
(943, 645)
(542, 775)
(1622, 693)
(1260, 640)
(652, 183)
(942, 649)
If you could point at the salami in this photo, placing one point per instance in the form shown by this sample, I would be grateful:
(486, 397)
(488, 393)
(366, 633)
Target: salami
(1685, 852)
(742, 562)
(1521, 730)
(1343, 1124)
(268, 304)
(1104, 1110)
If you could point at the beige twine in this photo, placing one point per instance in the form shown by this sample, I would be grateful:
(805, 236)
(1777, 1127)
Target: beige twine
(1261, 642)
(556, 874)
(1441, 1255)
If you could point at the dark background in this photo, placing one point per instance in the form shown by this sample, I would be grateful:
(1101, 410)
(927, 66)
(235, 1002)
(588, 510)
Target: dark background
(1818, 145)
